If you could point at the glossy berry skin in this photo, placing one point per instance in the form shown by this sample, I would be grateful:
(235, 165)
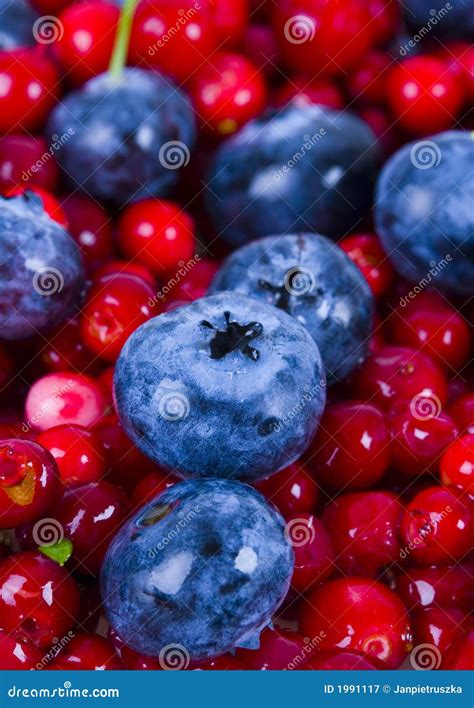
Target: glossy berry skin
(459, 656)
(157, 233)
(313, 549)
(62, 399)
(39, 600)
(28, 482)
(293, 490)
(310, 278)
(127, 156)
(122, 267)
(351, 448)
(462, 410)
(457, 464)
(419, 437)
(181, 402)
(91, 228)
(16, 655)
(364, 529)
(29, 90)
(65, 350)
(457, 23)
(323, 37)
(18, 19)
(260, 188)
(340, 660)
(441, 587)
(149, 487)
(87, 40)
(301, 92)
(437, 526)
(22, 162)
(437, 626)
(40, 269)
(227, 92)
(230, 563)
(91, 515)
(422, 211)
(77, 453)
(87, 652)
(366, 252)
(115, 307)
(278, 650)
(362, 614)
(396, 374)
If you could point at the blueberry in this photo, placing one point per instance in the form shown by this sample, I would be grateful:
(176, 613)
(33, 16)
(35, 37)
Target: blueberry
(438, 18)
(304, 169)
(424, 213)
(313, 280)
(17, 18)
(40, 269)
(224, 387)
(129, 136)
(198, 571)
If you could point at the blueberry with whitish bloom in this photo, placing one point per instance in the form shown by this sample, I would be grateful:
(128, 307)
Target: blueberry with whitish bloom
(424, 211)
(17, 19)
(227, 386)
(129, 135)
(306, 168)
(313, 280)
(41, 275)
(199, 570)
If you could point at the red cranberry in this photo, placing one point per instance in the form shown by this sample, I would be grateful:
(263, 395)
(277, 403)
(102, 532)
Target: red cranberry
(387, 16)
(87, 38)
(437, 626)
(28, 90)
(150, 486)
(87, 652)
(457, 464)
(230, 19)
(65, 350)
(26, 160)
(437, 527)
(462, 410)
(194, 284)
(367, 82)
(361, 615)
(227, 92)
(340, 660)
(226, 662)
(350, 450)
(158, 233)
(364, 531)
(77, 453)
(138, 662)
(115, 307)
(314, 553)
(420, 433)
(367, 253)
(261, 48)
(90, 227)
(301, 93)
(293, 490)
(28, 481)
(90, 516)
(122, 267)
(38, 599)
(397, 374)
(62, 398)
(443, 587)
(423, 97)
(50, 7)
(460, 655)
(16, 655)
(278, 650)
(459, 57)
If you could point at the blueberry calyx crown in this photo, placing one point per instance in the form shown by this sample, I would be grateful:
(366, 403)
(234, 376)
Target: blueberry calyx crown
(281, 293)
(234, 337)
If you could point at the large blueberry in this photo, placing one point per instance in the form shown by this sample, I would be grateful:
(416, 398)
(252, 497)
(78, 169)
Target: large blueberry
(198, 571)
(40, 269)
(313, 280)
(437, 18)
(304, 169)
(129, 136)
(424, 211)
(227, 386)
(17, 19)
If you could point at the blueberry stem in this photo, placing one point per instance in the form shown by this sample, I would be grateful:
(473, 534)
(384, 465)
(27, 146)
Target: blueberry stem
(122, 38)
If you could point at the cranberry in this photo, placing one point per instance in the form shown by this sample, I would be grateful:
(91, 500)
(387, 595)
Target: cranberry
(90, 516)
(28, 90)
(437, 626)
(226, 662)
(193, 285)
(227, 92)
(230, 19)
(38, 599)
(301, 92)
(437, 527)
(364, 530)
(350, 450)
(150, 486)
(77, 453)
(138, 662)
(50, 204)
(87, 652)
(293, 490)
(65, 350)
(90, 227)
(420, 433)
(443, 587)
(457, 464)
(120, 267)
(340, 660)
(387, 17)
(16, 655)
(396, 374)
(460, 655)
(459, 57)
(62, 398)
(87, 38)
(367, 253)
(26, 160)
(115, 307)
(158, 233)
(50, 7)
(367, 83)
(462, 410)
(314, 553)
(261, 48)
(278, 649)
(361, 615)
(423, 97)
(28, 481)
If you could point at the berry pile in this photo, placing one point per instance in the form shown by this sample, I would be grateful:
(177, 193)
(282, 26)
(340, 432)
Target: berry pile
(236, 369)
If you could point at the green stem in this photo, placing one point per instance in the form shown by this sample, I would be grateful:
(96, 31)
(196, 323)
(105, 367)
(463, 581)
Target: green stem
(122, 39)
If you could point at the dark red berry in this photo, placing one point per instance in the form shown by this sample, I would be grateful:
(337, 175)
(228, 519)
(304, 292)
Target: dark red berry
(313, 549)
(293, 490)
(77, 453)
(367, 253)
(457, 464)
(87, 652)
